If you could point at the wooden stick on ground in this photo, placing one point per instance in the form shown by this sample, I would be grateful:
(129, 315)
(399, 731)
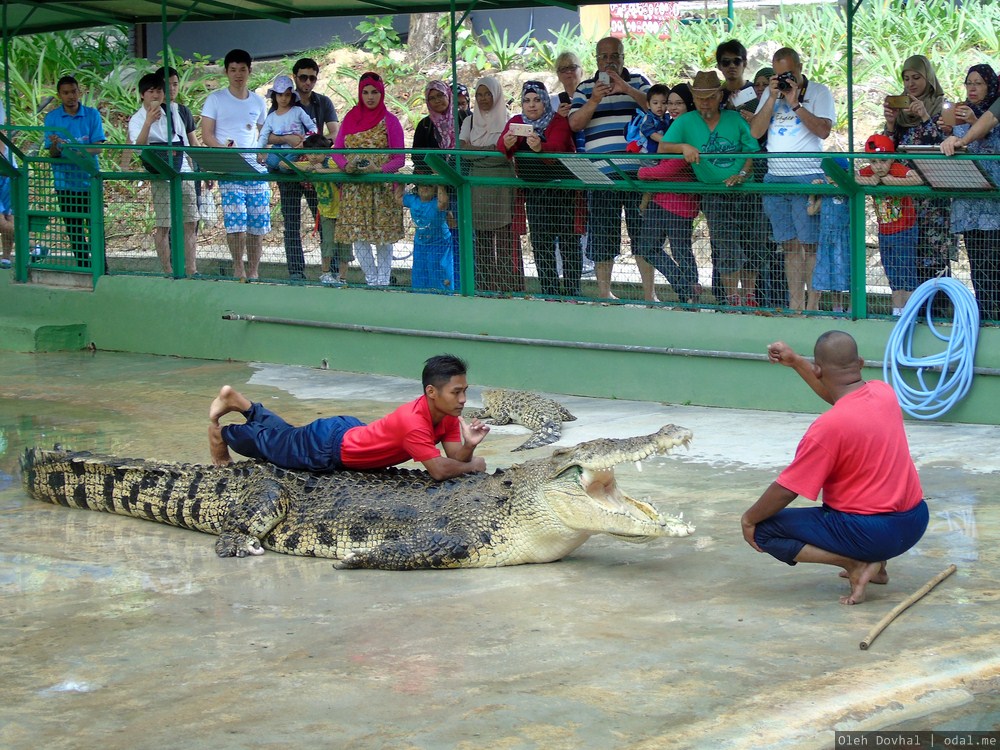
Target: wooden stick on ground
(912, 599)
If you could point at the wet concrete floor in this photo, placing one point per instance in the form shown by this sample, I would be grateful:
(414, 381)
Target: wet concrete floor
(119, 633)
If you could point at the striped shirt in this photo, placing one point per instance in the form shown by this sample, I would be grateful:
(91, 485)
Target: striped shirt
(605, 133)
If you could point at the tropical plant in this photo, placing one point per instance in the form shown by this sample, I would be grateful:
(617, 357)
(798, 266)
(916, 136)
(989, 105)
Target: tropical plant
(380, 36)
(505, 52)
(467, 46)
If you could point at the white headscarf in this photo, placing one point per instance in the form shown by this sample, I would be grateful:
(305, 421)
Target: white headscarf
(487, 126)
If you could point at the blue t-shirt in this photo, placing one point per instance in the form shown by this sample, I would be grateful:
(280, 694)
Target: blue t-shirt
(83, 127)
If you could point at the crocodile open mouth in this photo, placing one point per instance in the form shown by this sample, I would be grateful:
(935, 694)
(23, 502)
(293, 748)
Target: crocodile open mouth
(595, 461)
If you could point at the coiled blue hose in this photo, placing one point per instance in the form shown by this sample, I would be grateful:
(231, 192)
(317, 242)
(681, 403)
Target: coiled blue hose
(955, 363)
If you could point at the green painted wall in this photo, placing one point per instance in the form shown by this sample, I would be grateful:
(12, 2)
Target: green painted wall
(185, 318)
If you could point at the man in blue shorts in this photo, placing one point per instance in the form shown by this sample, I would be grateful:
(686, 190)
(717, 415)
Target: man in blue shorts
(797, 115)
(857, 455)
(231, 118)
(411, 432)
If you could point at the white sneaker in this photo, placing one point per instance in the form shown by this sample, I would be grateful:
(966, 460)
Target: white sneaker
(328, 279)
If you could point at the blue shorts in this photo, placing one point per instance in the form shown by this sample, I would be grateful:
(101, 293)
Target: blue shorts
(246, 207)
(266, 436)
(787, 211)
(899, 258)
(5, 205)
(873, 538)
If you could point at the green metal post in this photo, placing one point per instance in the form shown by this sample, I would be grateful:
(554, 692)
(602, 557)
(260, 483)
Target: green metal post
(176, 194)
(98, 249)
(859, 255)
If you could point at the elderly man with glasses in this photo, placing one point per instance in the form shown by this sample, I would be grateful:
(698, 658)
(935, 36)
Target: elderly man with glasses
(602, 107)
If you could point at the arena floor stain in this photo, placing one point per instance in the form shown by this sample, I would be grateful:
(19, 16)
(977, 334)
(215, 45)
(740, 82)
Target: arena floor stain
(119, 633)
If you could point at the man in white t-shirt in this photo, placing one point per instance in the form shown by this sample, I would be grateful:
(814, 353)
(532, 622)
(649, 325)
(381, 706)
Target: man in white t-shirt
(231, 118)
(148, 127)
(797, 115)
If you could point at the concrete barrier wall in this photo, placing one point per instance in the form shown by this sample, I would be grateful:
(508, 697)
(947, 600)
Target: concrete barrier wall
(611, 351)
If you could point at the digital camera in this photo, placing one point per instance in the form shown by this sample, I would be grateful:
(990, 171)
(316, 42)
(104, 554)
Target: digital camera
(785, 81)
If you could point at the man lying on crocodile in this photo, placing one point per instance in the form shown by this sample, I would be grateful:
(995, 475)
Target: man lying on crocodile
(412, 431)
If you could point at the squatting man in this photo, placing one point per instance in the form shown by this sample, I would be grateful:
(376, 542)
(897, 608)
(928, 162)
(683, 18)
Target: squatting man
(411, 432)
(857, 455)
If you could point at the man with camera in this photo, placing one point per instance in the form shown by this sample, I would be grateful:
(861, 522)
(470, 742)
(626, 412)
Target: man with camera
(797, 115)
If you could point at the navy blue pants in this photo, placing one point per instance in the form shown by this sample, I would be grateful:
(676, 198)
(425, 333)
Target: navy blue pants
(871, 538)
(314, 447)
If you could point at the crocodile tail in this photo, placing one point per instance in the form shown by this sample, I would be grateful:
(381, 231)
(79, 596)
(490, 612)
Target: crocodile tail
(179, 495)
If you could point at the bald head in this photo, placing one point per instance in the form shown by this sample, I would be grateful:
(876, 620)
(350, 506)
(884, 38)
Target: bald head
(837, 352)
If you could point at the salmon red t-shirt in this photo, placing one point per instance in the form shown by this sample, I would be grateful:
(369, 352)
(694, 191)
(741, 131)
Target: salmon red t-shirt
(857, 454)
(407, 433)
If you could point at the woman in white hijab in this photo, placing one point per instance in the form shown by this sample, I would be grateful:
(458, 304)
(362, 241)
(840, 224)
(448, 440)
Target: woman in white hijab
(499, 264)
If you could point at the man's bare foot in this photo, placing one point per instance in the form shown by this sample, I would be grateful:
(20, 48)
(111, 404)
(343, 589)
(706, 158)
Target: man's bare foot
(228, 400)
(860, 576)
(217, 446)
(882, 577)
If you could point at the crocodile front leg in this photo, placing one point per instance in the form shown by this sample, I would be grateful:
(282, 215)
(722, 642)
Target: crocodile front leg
(261, 507)
(420, 551)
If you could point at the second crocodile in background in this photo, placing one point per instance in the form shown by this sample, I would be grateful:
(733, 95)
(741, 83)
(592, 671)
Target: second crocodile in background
(543, 416)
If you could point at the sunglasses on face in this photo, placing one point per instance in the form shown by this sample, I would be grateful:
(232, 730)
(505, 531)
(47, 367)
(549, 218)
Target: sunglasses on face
(726, 62)
(304, 77)
(566, 69)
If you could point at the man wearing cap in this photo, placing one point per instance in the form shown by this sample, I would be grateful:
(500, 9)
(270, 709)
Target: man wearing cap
(797, 115)
(709, 130)
(230, 118)
(601, 109)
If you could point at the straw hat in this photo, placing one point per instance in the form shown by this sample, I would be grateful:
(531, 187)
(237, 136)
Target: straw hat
(706, 82)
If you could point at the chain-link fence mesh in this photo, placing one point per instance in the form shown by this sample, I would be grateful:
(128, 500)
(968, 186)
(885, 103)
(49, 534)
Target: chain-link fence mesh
(569, 231)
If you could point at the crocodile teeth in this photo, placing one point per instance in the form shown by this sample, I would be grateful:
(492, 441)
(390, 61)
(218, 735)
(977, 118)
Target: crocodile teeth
(638, 465)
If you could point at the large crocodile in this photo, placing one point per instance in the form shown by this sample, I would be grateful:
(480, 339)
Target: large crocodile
(543, 416)
(534, 512)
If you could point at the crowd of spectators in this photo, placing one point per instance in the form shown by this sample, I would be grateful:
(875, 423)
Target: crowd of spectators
(764, 248)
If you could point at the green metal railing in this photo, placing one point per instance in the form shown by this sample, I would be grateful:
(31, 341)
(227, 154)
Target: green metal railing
(120, 211)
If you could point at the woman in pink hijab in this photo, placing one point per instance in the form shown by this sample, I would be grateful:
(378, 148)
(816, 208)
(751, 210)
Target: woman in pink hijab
(370, 214)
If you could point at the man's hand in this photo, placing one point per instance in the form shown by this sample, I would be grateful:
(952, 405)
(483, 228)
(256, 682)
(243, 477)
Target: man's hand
(601, 90)
(781, 353)
(473, 434)
(691, 154)
(748, 532)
